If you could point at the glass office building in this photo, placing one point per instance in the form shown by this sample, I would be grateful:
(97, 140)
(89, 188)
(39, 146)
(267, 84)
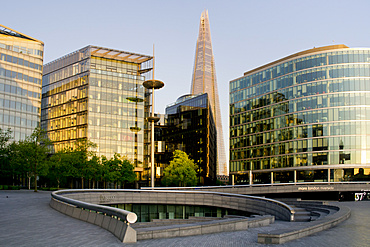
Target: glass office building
(21, 59)
(97, 93)
(191, 128)
(305, 117)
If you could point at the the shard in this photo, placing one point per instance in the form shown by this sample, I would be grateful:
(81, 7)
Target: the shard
(204, 81)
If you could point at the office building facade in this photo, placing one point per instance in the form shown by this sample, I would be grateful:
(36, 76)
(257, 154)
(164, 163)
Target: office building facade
(96, 93)
(305, 117)
(21, 59)
(191, 128)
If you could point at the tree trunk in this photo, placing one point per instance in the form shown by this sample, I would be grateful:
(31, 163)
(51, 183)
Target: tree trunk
(35, 182)
(82, 183)
(29, 182)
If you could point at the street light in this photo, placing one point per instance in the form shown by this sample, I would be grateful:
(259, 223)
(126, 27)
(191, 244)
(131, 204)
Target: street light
(152, 84)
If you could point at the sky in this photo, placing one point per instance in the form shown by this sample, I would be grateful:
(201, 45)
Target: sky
(245, 34)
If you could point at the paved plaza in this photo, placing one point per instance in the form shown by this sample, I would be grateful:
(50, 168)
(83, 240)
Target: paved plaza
(27, 220)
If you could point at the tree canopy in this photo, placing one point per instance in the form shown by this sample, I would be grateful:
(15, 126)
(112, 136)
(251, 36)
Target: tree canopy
(181, 171)
(31, 155)
(76, 167)
(5, 168)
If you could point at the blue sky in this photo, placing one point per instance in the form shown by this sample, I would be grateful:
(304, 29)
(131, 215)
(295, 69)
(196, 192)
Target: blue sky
(245, 34)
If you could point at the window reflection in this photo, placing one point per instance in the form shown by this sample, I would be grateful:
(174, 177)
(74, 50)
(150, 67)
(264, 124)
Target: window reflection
(310, 111)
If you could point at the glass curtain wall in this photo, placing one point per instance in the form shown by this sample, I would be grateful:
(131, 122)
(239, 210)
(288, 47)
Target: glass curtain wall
(305, 118)
(116, 108)
(21, 59)
(97, 93)
(191, 128)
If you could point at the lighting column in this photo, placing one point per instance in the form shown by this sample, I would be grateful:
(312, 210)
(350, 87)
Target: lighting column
(152, 84)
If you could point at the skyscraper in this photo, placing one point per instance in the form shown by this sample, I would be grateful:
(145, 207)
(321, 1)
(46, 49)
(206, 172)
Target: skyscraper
(204, 81)
(21, 58)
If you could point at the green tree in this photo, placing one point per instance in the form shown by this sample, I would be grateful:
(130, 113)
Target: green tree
(61, 167)
(181, 171)
(32, 155)
(118, 170)
(93, 173)
(5, 168)
(111, 173)
(79, 157)
(125, 170)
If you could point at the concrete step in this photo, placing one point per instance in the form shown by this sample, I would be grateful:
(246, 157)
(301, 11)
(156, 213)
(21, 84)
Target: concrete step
(301, 215)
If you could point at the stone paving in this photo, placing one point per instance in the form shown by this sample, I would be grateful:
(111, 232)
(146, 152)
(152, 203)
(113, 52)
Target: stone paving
(27, 220)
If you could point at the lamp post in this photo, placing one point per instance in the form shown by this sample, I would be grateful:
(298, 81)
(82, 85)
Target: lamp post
(152, 84)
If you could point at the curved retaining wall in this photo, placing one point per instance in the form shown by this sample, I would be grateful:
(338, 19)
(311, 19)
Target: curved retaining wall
(85, 205)
(122, 230)
(252, 204)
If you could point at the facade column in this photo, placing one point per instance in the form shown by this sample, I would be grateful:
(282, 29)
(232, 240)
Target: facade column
(329, 175)
(272, 177)
(295, 176)
(250, 177)
(232, 180)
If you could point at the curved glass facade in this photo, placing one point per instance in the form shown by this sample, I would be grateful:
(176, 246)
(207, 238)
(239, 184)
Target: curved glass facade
(305, 117)
(21, 59)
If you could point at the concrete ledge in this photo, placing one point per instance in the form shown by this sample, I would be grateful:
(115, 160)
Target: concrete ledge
(84, 215)
(69, 210)
(106, 221)
(112, 225)
(282, 236)
(225, 225)
(190, 231)
(76, 213)
(118, 228)
(91, 218)
(99, 219)
(63, 208)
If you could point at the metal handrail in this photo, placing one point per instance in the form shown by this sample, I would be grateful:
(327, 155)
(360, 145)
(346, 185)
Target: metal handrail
(109, 210)
(252, 185)
(127, 216)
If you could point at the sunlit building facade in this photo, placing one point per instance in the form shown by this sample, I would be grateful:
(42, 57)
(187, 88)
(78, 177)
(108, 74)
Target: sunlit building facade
(303, 118)
(21, 59)
(204, 81)
(97, 93)
(191, 128)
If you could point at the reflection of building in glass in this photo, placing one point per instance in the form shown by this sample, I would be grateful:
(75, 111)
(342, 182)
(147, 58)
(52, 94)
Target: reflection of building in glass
(21, 59)
(204, 81)
(191, 128)
(305, 117)
(97, 93)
